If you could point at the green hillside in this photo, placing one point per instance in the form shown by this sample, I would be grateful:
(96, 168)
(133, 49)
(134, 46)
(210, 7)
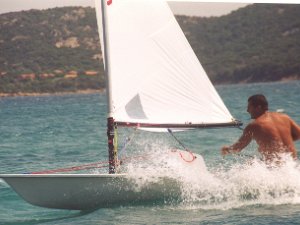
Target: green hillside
(58, 50)
(50, 50)
(258, 43)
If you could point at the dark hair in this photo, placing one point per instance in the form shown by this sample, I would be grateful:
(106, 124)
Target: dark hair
(259, 100)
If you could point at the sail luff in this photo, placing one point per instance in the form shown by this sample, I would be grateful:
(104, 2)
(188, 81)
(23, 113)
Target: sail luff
(104, 37)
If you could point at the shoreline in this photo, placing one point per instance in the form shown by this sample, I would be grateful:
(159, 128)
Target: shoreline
(92, 91)
(25, 94)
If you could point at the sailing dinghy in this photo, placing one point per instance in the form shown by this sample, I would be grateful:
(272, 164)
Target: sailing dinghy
(154, 82)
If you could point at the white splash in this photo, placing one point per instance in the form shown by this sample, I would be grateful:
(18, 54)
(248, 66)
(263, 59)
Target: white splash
(221, 187)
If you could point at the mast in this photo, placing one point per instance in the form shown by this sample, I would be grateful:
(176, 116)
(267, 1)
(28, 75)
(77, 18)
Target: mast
(112, 152)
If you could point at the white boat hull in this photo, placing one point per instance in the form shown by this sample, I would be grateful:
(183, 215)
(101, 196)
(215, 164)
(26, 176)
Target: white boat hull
(91, 191)
(88, 191)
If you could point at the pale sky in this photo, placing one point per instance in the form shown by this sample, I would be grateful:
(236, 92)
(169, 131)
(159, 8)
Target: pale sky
(190, 8)
(184, 7)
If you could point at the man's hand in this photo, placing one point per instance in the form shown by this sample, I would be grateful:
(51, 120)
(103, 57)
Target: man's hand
(225, 150)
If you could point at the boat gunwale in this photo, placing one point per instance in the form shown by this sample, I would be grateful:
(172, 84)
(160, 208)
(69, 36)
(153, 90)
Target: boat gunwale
(3, 176)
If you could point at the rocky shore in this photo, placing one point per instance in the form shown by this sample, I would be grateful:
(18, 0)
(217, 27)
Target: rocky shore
(89, 91)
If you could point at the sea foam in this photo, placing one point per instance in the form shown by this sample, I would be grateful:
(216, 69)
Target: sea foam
(222, 186)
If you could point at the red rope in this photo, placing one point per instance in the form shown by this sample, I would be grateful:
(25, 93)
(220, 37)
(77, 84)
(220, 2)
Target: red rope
(82, 167)
(193, 157)
(73, 168)
(100, 165)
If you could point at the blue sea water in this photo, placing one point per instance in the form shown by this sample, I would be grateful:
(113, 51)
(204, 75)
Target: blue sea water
(48, 132)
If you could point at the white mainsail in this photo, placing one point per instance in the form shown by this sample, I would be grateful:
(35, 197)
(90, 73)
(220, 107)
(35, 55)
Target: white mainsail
(155, 77)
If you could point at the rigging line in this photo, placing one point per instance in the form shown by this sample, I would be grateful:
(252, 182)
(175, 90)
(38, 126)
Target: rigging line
(97, 165)
(186, 160)
(127, 141)
(70, 169)
(182, 145)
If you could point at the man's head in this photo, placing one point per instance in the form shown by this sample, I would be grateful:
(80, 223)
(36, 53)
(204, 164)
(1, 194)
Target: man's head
(257, 105)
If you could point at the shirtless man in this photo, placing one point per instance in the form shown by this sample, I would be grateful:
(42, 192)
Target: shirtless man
(274, 132)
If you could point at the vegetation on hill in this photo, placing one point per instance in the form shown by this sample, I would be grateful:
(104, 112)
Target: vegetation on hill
(50, 50)
(258, 43)
(58, 50)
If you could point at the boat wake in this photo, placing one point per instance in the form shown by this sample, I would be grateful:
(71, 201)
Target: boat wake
(222, 186)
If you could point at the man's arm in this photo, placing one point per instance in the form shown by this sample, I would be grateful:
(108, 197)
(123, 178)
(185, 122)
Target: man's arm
(243, 141)
(295, 130)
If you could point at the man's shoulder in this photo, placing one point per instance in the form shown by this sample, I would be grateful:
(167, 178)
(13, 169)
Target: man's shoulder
(256, 125)
(252, 126)
(280, 115)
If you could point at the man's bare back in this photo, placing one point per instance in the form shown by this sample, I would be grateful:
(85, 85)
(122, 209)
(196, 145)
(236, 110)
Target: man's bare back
(274, 132)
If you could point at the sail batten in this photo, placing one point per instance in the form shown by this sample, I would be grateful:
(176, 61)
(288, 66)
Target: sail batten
(154, 74)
